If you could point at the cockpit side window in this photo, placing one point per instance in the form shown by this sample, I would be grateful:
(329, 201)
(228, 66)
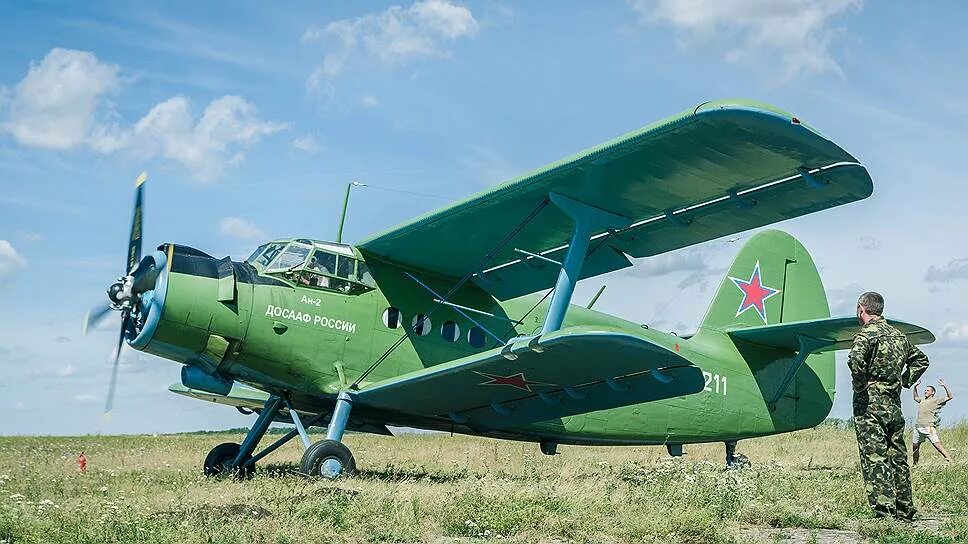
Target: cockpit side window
(346, 268)
(363, 274)
(322, 262)
(269, 254)
(294, 256)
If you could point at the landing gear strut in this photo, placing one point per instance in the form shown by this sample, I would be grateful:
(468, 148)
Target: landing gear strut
(733, 459)
(238, 459)
(330, 458)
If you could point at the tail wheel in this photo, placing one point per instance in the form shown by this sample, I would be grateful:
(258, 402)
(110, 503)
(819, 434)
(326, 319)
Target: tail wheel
(328, 459)
(219, 461)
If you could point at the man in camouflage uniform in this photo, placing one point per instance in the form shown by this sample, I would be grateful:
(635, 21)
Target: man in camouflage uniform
(881, 362)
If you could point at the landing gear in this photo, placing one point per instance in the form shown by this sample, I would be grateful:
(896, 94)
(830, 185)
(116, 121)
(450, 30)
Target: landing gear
(735, 460)
(328, 459)
(239, 459)
(221, 462)
(548, 447)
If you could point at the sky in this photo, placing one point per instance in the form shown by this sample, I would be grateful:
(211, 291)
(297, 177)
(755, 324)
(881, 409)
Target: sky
(251, 118)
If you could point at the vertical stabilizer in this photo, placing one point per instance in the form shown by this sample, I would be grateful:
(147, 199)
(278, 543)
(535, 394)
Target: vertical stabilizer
(772, 280)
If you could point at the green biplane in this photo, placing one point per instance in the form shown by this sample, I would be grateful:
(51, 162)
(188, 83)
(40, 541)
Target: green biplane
(438, 323)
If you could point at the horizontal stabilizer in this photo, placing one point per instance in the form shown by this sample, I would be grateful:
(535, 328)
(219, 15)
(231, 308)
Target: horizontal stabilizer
(829, 334)
(571, 371)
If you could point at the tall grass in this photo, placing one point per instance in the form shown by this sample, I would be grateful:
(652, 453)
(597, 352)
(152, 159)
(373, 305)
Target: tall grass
(417, 488)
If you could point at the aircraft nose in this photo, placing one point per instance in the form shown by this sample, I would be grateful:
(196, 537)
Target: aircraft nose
(151, 300)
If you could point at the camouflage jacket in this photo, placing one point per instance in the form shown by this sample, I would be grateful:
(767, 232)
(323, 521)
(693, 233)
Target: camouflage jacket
(883, 360)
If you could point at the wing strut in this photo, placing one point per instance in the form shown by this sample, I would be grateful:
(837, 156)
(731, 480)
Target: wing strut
(808, 346)
(586, 218)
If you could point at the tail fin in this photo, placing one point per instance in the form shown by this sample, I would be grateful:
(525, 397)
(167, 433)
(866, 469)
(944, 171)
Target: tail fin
(772, 280)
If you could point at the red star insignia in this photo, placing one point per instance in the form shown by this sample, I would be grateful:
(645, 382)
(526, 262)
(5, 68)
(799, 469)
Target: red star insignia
(755, 293)
(515, 380)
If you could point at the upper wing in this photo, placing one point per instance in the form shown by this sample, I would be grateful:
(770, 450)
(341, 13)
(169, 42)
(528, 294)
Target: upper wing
(827, 334)
(561, 374)
(718, 169)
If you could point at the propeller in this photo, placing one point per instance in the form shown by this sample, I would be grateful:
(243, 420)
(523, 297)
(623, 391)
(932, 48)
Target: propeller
(123, 295)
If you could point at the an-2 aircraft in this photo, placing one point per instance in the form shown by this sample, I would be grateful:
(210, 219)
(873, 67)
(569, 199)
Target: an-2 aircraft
(439, 323)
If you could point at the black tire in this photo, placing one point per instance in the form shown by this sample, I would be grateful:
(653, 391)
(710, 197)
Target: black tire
(314, 460)
(218, 462)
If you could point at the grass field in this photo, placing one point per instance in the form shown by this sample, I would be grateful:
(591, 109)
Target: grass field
(438, 488)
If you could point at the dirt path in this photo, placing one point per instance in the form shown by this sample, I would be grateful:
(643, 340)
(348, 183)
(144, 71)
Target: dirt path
(797, 535)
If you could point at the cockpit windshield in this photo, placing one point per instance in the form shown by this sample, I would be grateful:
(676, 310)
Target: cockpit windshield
(255, 254)
(269, 253)
(293, 257)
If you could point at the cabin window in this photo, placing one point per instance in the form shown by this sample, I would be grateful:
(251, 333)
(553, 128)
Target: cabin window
(421, 325)
(475, 337)
(294, 256)
(392, 318)
(450, 331)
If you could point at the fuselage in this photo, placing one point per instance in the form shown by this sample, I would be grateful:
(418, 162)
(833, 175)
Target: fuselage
(310, 330)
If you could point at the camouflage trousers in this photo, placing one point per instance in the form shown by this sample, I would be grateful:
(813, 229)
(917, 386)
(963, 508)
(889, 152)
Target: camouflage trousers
(883, 460)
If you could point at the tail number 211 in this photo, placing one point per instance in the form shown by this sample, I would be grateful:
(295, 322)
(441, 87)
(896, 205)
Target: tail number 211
(714, 383)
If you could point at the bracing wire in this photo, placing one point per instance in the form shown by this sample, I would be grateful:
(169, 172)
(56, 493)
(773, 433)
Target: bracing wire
(507, 333)
(490, 255)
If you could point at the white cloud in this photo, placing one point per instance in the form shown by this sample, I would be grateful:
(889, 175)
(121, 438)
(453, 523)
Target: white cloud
(954, 333)
(869, 243)
(396, 35)
(228, 126)
(307, 144)
(239, 228)
(10, 260)
(56, 105)
(686, 260)
(65, 371)
(796, 33)
(369, 101)
(956, 269)
(62, 104)
(85, 397)
(843, 301)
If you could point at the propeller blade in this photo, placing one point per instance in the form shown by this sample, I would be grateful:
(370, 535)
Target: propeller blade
(117, 360)
(134, 241)
(94, 315)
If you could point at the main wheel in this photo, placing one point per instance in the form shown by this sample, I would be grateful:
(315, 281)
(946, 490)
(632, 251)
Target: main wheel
(219, 461)
(328, 459)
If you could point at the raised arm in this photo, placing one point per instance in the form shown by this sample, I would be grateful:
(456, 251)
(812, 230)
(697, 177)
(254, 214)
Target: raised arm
(946, 392)
(916, 397)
